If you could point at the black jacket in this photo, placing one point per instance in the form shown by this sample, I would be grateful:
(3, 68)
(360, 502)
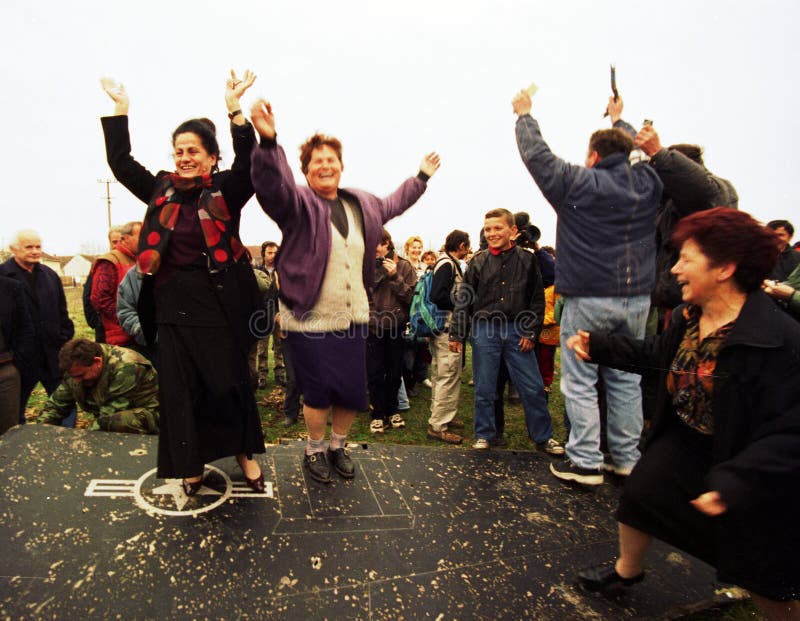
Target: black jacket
(788, 259)
(444, 277)
(16, 323)
(506, 287)
(688, 188)
(48, 307)
(756, 401)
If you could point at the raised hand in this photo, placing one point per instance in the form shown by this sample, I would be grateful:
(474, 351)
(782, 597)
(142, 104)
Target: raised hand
(116, 90)
(614, 108)
(262, 118)
(235, 88)
(430, 163)
(522, 103)
(647, 140)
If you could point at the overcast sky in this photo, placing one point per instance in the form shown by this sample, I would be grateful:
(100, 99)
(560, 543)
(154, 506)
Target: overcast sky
(393, 80)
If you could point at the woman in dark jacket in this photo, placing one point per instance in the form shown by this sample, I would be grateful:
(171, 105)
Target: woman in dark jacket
(198, 273)
(718, 475)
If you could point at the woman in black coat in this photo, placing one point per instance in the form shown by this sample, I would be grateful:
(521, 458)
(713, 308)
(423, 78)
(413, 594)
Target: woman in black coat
(198, 274)
(719, 473)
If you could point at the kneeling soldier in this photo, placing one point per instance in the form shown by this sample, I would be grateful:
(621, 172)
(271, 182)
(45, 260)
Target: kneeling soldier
(115, 386)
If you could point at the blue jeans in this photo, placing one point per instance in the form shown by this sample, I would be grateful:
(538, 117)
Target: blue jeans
(402, 397)
(491, 340)
(618, 315)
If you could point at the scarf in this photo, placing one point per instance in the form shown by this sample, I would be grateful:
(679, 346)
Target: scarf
(224, 246)
(496, 251)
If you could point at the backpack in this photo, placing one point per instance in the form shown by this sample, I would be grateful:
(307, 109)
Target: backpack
(90, 314)
(425, 317)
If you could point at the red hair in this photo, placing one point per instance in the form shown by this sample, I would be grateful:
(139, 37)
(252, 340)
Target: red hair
(727, 235)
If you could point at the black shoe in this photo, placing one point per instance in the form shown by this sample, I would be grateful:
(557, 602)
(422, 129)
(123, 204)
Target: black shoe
(340, 458)
(288, 421)
(568, 471)
(317, 466)
(601, 577)
(499, 442)
(411, 392)
(191, 488)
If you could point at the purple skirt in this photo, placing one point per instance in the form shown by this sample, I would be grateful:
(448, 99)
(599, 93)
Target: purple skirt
(331, 367)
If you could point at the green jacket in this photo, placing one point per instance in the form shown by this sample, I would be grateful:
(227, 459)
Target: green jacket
(793, 302)
(125, 397)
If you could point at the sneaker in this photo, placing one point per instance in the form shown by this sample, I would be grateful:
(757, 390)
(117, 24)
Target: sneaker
(397, 421)
(601, 577)
(289, 421)
(550, 447)
(317, 467)
(444, 436)
(568, 471)
(427, 383)
(481, 444)
(376, 426)
(618, 470)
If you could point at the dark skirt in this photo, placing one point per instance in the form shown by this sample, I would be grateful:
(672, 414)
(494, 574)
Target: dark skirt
(208, 410)
(754, 548)
(331, 367)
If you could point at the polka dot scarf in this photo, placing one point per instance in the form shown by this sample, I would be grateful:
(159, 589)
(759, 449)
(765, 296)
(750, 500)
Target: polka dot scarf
(224, 248)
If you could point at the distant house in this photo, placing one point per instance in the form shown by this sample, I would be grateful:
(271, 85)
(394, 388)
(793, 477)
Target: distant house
(55, 262)
(255, 254)
(78, 267)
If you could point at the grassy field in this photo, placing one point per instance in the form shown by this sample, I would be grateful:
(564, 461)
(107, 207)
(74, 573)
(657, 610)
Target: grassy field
(270, 403)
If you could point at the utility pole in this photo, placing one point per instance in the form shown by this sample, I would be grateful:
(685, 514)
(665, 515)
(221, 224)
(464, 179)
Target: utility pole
(108, 183)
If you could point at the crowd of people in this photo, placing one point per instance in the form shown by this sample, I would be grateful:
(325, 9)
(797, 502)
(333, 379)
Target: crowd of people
(677, 314)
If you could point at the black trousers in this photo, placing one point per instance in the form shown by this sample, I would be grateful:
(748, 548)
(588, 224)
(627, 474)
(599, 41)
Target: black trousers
(384, 369)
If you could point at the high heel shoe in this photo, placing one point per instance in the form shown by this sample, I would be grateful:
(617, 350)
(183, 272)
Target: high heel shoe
(257, 484)
(190, 488)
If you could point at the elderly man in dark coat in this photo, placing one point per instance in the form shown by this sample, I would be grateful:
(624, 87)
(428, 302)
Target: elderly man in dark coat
(47, 304)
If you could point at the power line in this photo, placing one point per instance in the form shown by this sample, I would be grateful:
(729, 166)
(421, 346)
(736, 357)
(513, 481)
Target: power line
(108, 183)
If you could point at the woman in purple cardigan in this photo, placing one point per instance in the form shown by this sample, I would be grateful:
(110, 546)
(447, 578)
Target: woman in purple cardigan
(326, 268)
(198, 275)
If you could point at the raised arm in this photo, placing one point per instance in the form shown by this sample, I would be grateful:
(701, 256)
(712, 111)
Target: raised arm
(272, 178)
(238, 188)
(234, 89)
(118, 94)
(553, 175)
(691, 186)
(130, 173)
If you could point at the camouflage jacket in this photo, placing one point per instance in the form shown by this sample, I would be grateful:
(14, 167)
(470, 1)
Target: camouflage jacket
(125, 397)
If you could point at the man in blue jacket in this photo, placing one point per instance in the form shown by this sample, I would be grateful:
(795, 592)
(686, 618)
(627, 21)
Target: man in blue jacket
(605, 236)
